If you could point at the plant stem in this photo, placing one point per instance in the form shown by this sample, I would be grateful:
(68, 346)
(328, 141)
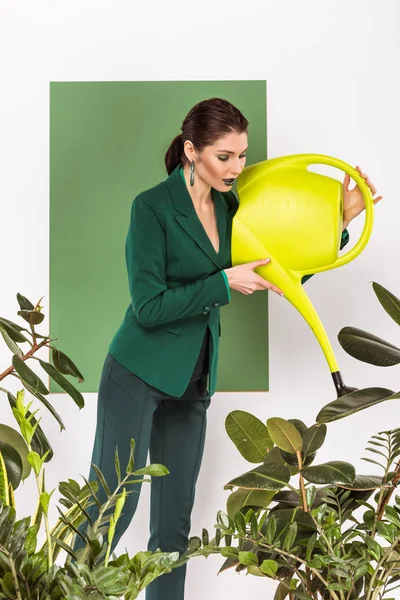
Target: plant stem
(386, 556)
(45, 516)
(298, 559)
(29, 354)
(301, 481)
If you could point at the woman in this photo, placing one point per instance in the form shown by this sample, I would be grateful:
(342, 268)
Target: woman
(160, 372)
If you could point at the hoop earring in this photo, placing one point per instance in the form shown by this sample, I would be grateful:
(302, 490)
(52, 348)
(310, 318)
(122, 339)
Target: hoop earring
(192, 173)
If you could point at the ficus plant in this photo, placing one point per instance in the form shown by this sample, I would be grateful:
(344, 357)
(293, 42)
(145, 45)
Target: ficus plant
(24, 343)
(28, 570)
(319, 529)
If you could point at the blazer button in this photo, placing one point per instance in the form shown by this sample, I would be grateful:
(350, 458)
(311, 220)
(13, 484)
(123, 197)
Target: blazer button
(206, 308)
(216, 305)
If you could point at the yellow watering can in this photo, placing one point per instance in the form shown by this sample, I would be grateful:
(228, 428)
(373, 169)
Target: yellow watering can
(294, 216)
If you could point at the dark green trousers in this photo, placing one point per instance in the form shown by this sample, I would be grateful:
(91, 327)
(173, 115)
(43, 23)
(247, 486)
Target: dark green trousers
(173, 430)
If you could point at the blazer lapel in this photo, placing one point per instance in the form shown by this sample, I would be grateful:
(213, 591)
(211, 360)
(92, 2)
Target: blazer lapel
(187, 217)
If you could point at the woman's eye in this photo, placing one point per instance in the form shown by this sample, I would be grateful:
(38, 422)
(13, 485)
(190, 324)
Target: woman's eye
(226, 157)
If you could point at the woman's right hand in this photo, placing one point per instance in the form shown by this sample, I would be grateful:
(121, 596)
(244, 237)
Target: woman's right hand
(243, 279)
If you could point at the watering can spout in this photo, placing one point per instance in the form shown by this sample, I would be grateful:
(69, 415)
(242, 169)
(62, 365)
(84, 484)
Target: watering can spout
(294, 217)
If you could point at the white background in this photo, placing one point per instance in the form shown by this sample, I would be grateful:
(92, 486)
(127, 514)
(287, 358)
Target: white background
(333, 87)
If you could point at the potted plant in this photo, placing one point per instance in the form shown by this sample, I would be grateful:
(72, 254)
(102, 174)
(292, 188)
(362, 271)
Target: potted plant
(30, 571)
(320, 530)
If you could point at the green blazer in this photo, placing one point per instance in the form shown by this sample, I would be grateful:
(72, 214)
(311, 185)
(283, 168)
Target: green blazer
(176, 285)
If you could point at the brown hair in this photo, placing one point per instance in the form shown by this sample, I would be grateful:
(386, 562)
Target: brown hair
(203, 125)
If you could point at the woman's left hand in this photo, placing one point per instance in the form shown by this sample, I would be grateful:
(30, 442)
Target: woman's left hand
(353, 201)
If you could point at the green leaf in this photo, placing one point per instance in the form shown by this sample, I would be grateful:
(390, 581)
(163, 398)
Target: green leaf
(248, 558)
(35, 462)
(12, 463)
(10, 343)
(363, 482)
(154, 470)
(64, 365)
(28, 377)
(284, 435)
(369, 348)
(310, 547)
(354, 402)
(263, 477)
(13, 330)
(4, 484)
(249, 435)
(117, 465)
(131, 461)
(270, 530)
(102, 480)
(242, 497)
(290, 536)
(330, 472)
(31, 540)
(63, 383)
(269, 567)
(313, 439)
(39, 443)
(24, 303)
(389, 302)
(47, 404)
(45, 500)
(10, 436)
(33, 317)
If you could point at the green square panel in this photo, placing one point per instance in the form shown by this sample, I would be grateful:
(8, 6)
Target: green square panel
(107, 144)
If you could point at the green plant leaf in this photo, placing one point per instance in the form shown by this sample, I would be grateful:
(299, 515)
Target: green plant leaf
(24, 303)
(313, 439)
(10, 343)
(63, 383)
(354, 402)
(389, 302)
(263, 477)
(242, 497)
(10, 436)
(13, 330)
(39, 443)
(64, 365)
(33, 317)
(369, 348)
(47, 404)
(248, 558)
(331, 472)
(363, 482)
(249, 435)
(102, 479)
(284, 435)
(28, 377)
(269, 567)
(12, 463)
(131, 461)
(154, 470)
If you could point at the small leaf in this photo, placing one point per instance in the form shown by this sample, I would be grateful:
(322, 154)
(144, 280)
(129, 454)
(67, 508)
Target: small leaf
(354, 402)
(154, 470)
(269, 567)
(117, 465)
(63, 383)
(35, 462)
(28, 377)
(313, 439)
(13, 330)
(284, 435)
(248, 558)
(10, 436)
(10, 343)
(249, 435)
(64, 365)
(24, 303)
(33, 317)
(389, 302)
(330, 472)
(131, 461)
(102, 480)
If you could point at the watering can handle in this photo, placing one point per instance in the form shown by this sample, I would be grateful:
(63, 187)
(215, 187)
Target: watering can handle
(309, 159)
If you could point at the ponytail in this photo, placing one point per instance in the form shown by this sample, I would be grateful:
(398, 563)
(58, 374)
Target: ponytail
(173, 156)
